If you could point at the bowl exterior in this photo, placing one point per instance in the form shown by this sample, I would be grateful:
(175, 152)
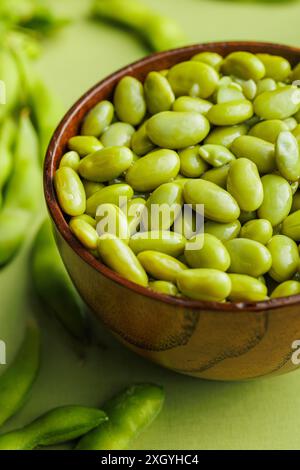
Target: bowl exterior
(224, 343)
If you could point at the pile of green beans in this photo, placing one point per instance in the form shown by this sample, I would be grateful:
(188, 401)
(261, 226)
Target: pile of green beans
(222, 132)
(159, 32)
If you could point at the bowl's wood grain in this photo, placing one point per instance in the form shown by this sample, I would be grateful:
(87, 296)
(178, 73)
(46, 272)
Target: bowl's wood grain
(229, 341)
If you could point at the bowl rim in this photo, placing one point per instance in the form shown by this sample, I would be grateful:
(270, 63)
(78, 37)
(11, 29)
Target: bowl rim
(58, 217)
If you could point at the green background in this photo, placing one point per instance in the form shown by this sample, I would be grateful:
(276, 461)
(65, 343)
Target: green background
(198, 414)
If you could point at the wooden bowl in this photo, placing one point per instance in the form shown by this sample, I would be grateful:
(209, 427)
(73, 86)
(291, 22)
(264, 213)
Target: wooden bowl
(211, 340)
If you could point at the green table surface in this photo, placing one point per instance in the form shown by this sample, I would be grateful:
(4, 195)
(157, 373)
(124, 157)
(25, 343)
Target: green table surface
(198, 414)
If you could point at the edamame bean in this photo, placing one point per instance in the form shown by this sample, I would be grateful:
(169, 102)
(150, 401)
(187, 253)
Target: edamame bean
(215, 155)
(118, 256)
(164, 287)
(204, 284)
(154, 169)
(84, 144)
(106, 164)
(285, 289)
(114, 194)
(54, 427)
(296, 202)
(129, 414)
(230, 113)
(163, 207)
(266, 84)
(193, 78)
(134, 211)
(70, 191)
(244, 184)
(229, 92)
(288, 156)
(210, 254)
(246, 288)
(291, 226)
(85, 233)
(278, 104)
(259, 230)
(18, 378)
(53, 285)
(176, 130)
(118, 134)
(296, 72)
(285, 257)
(259, 151)
(86, 218)
(98, 119)
(276, 67)
(140, 142)
(277, 200)
(243, 65)
(248, 257)
(91, 187)
(226, 135)
(170, 243)
(129, 101)
(158, 93)
(223, 232)
(112, 220)
(210, 58)
(161, 266)
(70, 159)
(291, 123)
(249, 89)
(188, 103)
(268, 130)
(191, 164)
(217, 176)
(219, 205)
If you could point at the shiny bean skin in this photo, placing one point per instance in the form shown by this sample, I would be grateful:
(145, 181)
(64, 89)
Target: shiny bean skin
(204, 284)
(277, 200)
(248, 257)
(285, 257)
(193, 78)
(246, 288)
(244, 184)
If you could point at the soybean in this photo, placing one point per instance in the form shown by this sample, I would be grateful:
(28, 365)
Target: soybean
(204, 284)
(285, 257)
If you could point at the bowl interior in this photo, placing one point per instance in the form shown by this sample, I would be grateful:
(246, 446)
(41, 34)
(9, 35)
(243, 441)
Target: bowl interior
(70, 126)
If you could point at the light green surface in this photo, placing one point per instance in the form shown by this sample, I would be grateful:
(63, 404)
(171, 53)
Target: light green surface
(198, 414)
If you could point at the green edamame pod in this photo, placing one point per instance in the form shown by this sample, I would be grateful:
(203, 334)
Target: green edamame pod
(161, 33)
(287, 155)
(24, 191)
(53, 285)
(120, 258)
(7, 134)
(129, 101)
(9, 74)
(17, 379)
(57, 426)
(98, 119)
(48, 110)
(129, 414)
